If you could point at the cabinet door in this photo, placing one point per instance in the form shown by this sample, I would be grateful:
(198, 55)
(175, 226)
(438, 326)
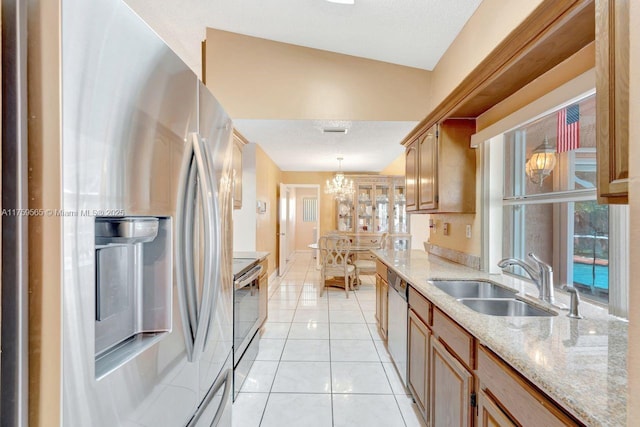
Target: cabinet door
(418, 340)
(378, 298)
(428, 170)
(612, 100)
(384, 309)
(450, 389)
(365, 207)
(411, 176)
(382, 207)
(399, 213)
(489, 415)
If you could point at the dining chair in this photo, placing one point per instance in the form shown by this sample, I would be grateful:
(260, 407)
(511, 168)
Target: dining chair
(367, 267)
(334, 254)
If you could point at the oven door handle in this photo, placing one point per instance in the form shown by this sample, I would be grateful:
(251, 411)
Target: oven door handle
(248, 278)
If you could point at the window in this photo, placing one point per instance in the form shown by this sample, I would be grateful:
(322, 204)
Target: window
(309, 209)
(549, 199)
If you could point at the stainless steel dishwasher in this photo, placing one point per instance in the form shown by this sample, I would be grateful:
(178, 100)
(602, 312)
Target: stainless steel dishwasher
(397, 329)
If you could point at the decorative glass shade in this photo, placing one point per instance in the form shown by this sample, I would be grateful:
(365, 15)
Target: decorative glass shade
(340, 187)
(541, 163)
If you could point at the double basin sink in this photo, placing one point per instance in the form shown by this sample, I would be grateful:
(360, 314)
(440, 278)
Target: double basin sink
(489, 298)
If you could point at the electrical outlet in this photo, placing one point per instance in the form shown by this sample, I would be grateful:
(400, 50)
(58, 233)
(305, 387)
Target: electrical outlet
(468, 232)
(445, 228)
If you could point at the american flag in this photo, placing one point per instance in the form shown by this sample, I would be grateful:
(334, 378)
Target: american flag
(568, 129)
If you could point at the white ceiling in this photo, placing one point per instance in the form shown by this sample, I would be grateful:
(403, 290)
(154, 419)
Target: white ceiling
(366, 147)
(414, 33)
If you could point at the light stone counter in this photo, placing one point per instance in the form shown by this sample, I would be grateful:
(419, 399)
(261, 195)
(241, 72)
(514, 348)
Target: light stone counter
(250, 254)
(581, 364)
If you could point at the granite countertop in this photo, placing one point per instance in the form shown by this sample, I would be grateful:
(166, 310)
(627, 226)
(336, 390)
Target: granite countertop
(581, 364)
(252, 255)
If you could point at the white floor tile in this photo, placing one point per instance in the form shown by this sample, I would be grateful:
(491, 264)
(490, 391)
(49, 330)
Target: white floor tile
(248, 409)
(343, 304)
(349, 331)
(260, 377)
(303, 377)
(353, 351)
(306, 351)
(304, 316)
(310, 331)
(410, 412)
(360, 410)
(309, 410)
(359, 377)
(346, 316)
(382, 351)
(286, 304)
(270, 349)
(280, 315)
(375, 331)
(275, 330)
(394, 379)
(369, 316)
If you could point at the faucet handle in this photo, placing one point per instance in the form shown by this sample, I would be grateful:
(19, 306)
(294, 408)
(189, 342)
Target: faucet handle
(541, 264)
(574, 310)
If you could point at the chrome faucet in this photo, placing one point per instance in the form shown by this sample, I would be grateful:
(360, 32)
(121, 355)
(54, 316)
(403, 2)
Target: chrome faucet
(540, 272)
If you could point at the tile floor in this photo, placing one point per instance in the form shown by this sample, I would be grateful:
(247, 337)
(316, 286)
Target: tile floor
(322, 361)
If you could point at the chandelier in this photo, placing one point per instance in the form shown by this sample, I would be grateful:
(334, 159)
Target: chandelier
(541, 163)
(340, 187)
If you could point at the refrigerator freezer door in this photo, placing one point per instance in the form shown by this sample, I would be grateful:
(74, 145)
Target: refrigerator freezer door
(215, 130)
(128, 105)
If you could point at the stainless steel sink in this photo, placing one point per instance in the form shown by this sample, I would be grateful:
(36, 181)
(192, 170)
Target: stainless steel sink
(505, 307)
(473, 289)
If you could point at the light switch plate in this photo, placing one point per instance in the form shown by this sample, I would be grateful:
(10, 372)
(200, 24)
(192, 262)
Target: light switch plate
(468, 232)
(445, 228)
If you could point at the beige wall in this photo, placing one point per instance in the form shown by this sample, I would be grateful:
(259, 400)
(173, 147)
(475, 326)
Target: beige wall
(327, 205)
(396, 167)
(487, 27)
(268, 178)
(304, 230)
(260, 79)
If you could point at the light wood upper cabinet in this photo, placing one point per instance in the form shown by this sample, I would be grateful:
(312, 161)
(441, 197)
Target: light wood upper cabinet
(428, 170)
(411, 175)
(239, 141)
(612, 99)
(445, 172)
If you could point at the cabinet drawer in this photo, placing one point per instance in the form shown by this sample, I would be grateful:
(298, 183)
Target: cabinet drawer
(523, 402)
(420, 305)
(459, 341)
(381, 270)
(366, 256)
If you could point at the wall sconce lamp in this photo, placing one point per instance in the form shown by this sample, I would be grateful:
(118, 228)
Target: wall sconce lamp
(541, 163)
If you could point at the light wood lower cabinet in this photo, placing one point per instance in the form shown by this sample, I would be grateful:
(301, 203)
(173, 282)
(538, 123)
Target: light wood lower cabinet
(522, 403)
(489, 415)
(451, 385)
(419, 341)
(382, 298)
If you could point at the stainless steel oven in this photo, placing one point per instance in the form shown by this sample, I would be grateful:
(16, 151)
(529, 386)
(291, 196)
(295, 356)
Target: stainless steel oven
(246, 318)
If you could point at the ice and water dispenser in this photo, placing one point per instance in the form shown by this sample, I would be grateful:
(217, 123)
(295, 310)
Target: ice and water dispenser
(133, 287)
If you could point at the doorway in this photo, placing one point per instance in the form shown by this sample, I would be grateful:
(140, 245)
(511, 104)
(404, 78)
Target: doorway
(299, 221)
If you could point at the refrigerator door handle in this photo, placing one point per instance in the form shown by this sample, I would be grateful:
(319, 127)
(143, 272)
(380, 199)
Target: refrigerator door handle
(211, 243)
(184, 250)
(225, 379)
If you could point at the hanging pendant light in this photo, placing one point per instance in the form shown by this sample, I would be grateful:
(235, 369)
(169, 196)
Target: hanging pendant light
(340, 187)
(541, 163)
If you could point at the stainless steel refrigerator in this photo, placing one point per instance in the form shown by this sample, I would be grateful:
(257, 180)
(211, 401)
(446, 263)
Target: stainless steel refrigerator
(139, 277)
